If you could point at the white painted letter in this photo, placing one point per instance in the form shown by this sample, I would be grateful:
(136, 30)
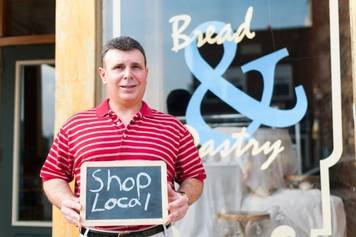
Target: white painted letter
(244, 29)
(127, 188)
(134, 202)
(110, 178)
(94, 209)
(147, 201)
(97, 179)
(276, 149)
(110, 204)
(120, 204)
(178, 30)
(142, 186)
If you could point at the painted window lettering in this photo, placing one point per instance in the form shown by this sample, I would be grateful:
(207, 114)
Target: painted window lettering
(224, 34)
(211, 79)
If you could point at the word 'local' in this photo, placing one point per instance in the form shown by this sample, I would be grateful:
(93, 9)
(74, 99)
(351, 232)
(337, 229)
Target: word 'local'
(181, 22)
(129, 184)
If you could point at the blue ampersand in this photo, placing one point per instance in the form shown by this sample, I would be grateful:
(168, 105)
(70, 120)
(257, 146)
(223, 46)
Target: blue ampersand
(260, 112)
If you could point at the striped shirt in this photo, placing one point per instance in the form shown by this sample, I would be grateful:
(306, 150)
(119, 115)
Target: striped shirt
(98, 134)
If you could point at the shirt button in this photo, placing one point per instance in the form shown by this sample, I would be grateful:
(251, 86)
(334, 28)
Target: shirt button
(125, 135)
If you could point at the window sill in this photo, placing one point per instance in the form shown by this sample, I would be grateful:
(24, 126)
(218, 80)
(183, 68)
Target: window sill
(27, 39)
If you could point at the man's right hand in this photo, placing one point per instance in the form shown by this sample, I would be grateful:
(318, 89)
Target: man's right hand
(60, 195)
(70, 209)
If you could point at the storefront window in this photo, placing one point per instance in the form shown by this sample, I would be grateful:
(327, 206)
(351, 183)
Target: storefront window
(274, 29)
(253, 82)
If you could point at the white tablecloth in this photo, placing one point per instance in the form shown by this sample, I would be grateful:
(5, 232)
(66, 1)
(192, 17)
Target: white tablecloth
(239, 184)
(223, 191)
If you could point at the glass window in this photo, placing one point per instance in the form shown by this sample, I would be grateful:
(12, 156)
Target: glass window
(274, 29)
(252, 79)
(34, 133)
(30, 17)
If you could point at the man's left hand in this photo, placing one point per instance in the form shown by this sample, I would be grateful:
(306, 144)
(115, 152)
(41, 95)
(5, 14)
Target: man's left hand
(178, 205)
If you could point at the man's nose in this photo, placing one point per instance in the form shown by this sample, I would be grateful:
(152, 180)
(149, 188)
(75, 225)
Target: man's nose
(127, 73)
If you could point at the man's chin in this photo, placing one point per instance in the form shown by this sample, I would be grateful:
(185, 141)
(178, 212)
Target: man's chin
(128, 100)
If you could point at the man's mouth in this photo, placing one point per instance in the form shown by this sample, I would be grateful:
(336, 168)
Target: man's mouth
(128, 86)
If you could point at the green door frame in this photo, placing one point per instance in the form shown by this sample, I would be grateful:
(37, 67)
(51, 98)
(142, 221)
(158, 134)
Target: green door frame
(10, 55)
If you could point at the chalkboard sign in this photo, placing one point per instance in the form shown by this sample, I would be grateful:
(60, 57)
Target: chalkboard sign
(123, 193)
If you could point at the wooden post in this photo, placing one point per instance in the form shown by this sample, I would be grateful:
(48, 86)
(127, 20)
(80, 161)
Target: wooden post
(78, 25)
(2, 18)
(353, 56)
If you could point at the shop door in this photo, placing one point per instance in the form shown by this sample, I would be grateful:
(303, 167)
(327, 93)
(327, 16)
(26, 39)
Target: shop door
(27, 118)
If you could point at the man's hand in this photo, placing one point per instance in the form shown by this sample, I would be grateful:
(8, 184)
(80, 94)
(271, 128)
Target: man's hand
(70, 209)
(178, 205)
(60, 195)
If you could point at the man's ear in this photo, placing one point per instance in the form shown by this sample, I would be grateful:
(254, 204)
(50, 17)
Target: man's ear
(102, 74)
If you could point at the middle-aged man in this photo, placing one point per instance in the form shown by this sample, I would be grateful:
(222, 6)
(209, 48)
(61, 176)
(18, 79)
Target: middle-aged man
(123, 127)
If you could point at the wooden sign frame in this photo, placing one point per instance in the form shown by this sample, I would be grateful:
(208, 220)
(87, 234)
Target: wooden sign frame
(136, 221)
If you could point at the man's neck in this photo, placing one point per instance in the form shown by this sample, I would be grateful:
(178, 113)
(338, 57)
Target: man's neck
(125, 111)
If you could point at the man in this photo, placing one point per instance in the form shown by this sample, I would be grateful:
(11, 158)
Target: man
(123, 127)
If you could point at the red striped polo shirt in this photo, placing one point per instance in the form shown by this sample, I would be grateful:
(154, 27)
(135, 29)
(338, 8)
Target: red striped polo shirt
(98, 134)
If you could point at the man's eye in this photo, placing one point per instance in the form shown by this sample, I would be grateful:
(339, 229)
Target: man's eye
(119, 67)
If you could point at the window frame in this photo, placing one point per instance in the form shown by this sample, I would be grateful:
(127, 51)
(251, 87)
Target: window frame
(16, 145)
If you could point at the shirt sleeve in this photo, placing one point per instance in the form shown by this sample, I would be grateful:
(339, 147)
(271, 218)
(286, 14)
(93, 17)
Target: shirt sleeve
(59, 161)
(189, 163)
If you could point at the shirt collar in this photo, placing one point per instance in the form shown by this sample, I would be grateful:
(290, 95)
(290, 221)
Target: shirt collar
(103, 110)
(146, 110)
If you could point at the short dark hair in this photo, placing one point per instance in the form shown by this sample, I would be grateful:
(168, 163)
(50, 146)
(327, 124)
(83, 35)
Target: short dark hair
(124, 43)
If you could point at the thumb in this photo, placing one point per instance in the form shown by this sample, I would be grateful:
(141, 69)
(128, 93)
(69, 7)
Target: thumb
(171, 192)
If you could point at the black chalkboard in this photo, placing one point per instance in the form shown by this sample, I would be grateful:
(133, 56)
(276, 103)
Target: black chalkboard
(123, 193)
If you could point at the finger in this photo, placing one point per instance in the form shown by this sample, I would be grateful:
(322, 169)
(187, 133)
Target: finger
(181, 200)
(70, 209)
(171, 218)
(177, 214)
(176, 204)
(177, 210)
(71, 215)
(171, 192)
(72, 203)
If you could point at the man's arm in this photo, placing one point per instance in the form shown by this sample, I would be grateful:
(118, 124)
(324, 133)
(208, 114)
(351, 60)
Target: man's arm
(189, 191)
(59, 194)
(193, 188)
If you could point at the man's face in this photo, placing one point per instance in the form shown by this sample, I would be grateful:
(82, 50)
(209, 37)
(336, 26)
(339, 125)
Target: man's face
(125, 76)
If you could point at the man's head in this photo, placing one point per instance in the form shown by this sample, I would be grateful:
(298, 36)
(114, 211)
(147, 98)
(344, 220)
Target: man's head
(123, 43)
(124, 71)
